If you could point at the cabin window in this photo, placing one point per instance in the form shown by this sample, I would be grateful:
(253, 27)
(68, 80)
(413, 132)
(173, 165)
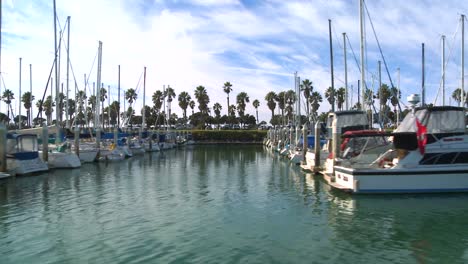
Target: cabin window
(444, 158)
(429, 158)
(461, 158)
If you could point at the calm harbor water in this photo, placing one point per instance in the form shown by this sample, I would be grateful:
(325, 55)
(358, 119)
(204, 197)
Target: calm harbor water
(213, 204)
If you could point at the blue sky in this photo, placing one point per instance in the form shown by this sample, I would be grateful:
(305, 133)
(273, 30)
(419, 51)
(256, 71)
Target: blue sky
(255, 45)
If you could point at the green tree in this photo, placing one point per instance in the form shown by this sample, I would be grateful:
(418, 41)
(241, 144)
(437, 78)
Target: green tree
(71, 108)
(81, 98)
(457, 96)
(203, 99)
(7, 97)
(192, 105)
(270, 98)
(217, 110)
(340, 98)
(184, 100)
(102, 99)
(169, 94)
(315, 100)
(157, 98)
(330, 96)
(49, 109)
(256, 104)
(290, 98)
(242, 99)
(307, 89)
(281, 100)
(130, 96)
(27, 98)
(227, 88)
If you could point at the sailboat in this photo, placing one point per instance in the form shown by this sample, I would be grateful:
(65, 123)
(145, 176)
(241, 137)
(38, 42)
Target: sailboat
(60, 156)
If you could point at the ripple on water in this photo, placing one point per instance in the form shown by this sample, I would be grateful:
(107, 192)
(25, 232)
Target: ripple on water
(218, 205)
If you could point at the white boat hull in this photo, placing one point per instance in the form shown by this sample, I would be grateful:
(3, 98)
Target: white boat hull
(28, 166)
(63, 160)
(112, 155)
(450, 178)
(88, 155)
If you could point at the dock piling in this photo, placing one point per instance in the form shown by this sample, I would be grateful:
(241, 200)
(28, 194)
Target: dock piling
(45, 143)
(317, 147)
(3, 139)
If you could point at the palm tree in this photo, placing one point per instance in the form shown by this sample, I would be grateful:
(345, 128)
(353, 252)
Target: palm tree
(368, 97)
(114, 112)
(49, 109)
(280, 99)
(330, 95)
(157, 99)
(340, 97)
(241, 99)
(61, 106)
(315, 100)
(271, 98)
(71, 108)
(27, 99)
(192, 105)
(227, 89)
(290, 98)
(92, 110)
(169, 94)
(80, 98)
(103, 94)
(130, 96)
(457, 96)
(203, 99)
(232, 110)
(39, 106)
(256, 104)
(217, 110)
(7, 97)
(383, 95)
(395, 98)
(184, 100)
(307, 88)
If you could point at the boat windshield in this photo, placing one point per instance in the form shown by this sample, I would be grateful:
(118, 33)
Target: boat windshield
(26, 143)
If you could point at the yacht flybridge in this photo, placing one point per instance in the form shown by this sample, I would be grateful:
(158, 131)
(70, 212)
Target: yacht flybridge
(429, 153)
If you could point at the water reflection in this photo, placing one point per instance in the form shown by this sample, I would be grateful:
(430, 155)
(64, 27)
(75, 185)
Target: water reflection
(218, 204)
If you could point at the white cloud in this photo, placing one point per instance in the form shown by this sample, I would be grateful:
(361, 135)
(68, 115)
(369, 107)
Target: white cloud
(257, 47)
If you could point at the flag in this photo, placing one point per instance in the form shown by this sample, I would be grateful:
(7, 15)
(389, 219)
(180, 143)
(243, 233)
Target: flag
(421, 135)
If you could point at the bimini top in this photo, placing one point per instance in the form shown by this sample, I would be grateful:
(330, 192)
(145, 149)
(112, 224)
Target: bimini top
(352, 118)
(437, 119)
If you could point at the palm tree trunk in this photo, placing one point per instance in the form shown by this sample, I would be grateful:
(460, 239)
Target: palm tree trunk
(257, 115)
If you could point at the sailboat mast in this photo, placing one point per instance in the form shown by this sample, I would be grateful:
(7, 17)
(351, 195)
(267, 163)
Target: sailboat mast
(423, 90)
(143, 124)
(57, 135)
(98, 97)
(398, 99)
(363, 75)
(67, 123)
(30, 91)
(463, 61)
(345, 71)
(331, 66)
(443, 69)
(118, 96)
(19, 97)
